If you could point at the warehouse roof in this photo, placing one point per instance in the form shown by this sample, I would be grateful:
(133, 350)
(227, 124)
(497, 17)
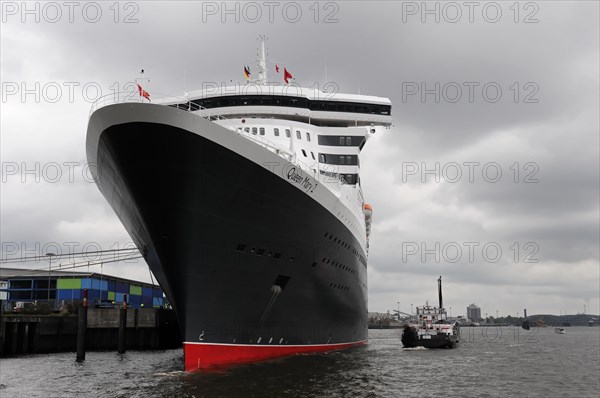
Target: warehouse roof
(23, 273)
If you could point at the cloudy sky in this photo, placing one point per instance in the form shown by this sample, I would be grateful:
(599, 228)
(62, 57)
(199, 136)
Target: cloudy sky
(489, 176)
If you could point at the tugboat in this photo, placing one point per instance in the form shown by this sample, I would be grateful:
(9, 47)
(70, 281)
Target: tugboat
(433, 330)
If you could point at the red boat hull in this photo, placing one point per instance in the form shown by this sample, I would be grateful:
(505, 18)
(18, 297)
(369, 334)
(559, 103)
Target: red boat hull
(203, 356)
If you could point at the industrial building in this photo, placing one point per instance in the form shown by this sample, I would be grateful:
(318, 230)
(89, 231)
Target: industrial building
(59, 287)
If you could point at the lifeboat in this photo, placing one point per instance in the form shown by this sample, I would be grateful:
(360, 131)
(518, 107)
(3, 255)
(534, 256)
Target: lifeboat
(368, 211)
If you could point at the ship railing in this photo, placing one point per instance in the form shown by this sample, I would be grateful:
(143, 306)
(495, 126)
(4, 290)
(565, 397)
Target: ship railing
(133, 96)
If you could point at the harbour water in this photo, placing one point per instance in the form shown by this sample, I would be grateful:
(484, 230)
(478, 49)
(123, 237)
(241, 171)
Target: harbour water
(489, 362)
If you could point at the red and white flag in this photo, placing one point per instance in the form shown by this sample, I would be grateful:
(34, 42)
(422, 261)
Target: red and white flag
(143, 93)
(286, 76)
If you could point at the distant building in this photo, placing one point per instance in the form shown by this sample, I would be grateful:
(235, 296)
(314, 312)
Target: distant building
(56, 287)
(473, 313)
(3, 287)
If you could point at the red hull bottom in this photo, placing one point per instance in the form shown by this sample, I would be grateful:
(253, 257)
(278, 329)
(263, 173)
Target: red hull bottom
(203, 356)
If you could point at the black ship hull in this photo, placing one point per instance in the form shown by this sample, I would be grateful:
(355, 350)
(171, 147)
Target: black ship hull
(253, 266)
(411, 339)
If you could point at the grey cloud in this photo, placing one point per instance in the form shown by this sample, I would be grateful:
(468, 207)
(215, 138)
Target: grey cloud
(372, 51)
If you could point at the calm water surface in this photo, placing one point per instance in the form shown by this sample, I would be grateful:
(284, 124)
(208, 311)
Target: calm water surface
(489, 362)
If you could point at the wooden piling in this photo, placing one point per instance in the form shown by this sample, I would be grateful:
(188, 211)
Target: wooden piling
(2, 332)
(82, 327)
(122, 325)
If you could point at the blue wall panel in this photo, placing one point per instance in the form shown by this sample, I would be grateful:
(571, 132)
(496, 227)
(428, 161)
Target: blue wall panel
(122, 287)
(147, 301)
(65, 294)
(93, 295)
(135, 300)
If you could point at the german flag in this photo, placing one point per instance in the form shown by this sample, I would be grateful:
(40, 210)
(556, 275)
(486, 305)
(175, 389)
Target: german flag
(247, 72)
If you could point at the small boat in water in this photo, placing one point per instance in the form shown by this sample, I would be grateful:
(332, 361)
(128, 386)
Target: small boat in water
(432, 330)
(560, 331)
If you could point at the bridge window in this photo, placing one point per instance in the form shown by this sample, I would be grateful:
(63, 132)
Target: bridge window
(262, 131)
(288, 133)
(334, 140)
(308, 137)
(349, 178)
(351, 160)
(298, 135)
(304, 153)
(247, 129)
(276, 131)
(254, 130)
(313, 155)
(296, 102)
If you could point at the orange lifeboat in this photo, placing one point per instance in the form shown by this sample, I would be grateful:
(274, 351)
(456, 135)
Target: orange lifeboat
(368, 211)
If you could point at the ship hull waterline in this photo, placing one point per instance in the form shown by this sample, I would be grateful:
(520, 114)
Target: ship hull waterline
(249, 262)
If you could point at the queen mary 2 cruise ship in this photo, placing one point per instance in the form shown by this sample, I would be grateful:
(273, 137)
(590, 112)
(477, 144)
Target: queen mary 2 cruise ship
(246, 203)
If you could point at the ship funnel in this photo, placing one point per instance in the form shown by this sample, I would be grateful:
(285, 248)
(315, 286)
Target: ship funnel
(525, 313)
(440, 292)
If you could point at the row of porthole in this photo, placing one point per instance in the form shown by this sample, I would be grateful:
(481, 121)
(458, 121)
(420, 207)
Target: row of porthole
(259, 252)
(360, 257)
(337, 240)
(338, 265)
(347, 246)
(347, 221)
(341, 287)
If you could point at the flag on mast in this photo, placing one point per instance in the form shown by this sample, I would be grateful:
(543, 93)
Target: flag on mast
(286, 76)
(143, 93)
(247, 72)
(277, 68)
